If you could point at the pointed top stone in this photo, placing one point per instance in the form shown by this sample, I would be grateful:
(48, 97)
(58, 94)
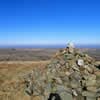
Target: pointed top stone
(70, 45)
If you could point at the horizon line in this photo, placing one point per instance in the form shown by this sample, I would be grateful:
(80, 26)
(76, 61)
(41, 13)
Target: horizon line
(49, 44)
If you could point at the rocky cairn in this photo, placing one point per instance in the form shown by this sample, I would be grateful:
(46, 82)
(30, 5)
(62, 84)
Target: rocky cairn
(70, 75)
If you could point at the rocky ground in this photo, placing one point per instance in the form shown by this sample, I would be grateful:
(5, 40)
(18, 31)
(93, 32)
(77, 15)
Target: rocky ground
(11, 84)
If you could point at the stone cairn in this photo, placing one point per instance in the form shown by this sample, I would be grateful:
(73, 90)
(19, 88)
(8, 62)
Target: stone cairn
(71, 75)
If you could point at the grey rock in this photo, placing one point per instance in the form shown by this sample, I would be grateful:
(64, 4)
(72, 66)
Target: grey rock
(71, 74)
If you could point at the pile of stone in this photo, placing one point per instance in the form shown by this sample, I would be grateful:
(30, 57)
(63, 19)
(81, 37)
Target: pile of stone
(71, 74)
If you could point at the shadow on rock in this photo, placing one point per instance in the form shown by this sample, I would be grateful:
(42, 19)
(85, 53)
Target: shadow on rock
(54, 96)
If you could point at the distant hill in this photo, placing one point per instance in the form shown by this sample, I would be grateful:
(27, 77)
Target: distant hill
(30, 54)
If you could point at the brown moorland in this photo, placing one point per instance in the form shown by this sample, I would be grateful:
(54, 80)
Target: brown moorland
(15, 63)
(11, 84)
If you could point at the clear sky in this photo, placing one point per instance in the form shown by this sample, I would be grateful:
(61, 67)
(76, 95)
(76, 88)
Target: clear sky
(49, 21)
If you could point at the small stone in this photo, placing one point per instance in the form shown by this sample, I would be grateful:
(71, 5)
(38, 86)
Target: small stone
(91, 98)
(88, 94)
(67, 73)
(70, 45)
(74, 84)
(59, 80)
(65, 95)
(92, 77)
(75, 68)
(68, 57)
(80, 62)
(58, 66)
(98, 98)
(91, 83)
(92, 89)
(74, 92)
(70, 50)
(90, 70)
(62, 62)
(97, 73)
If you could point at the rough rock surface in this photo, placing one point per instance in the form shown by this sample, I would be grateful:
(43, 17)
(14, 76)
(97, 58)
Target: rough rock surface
(71, 75)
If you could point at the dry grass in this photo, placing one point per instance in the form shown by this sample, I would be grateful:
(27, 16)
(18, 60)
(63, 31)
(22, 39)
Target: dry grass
(11, 84)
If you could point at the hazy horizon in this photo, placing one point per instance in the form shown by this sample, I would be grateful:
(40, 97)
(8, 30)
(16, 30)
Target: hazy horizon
(50, 46)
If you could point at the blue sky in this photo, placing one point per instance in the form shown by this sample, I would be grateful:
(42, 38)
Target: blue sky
(49, 21)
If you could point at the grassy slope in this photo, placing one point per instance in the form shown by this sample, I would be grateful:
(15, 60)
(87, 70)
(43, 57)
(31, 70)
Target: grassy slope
(11, 84)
